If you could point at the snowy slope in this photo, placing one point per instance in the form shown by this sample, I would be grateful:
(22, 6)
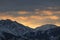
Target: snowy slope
(46, 27)
(12, 27)
(11, 30)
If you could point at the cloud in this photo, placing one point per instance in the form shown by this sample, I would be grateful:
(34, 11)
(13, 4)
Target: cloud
(53, 17)
(23, 12)
(55, 8)
(47, 12)
(6, 17)
(31, 12)
(31, 18)
(36, 17)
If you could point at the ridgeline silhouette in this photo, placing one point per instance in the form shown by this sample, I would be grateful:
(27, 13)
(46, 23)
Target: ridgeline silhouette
(11, 30)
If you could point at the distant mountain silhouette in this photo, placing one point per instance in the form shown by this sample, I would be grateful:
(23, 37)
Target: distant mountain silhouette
(46, 27)
(11, 30)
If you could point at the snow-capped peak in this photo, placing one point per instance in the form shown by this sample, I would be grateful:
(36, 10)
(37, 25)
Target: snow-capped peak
(46, 27)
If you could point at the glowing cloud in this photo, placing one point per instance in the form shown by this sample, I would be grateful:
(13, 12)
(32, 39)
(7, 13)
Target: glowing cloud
(33, 18)
(36, 17)
(22, 12)
(47, 12)
(54, 17)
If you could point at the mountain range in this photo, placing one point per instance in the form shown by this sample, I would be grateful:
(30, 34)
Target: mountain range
(12, 30)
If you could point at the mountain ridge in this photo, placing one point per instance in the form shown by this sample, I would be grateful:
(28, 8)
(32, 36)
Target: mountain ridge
(8, 20)
(11, 30)
(12, 26)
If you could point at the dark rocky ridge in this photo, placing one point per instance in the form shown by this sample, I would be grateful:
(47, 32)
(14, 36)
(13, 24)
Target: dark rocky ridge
(11, 30)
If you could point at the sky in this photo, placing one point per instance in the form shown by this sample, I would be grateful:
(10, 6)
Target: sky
(32, 13)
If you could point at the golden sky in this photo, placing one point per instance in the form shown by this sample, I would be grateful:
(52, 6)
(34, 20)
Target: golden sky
(34, 18)
(32, 13)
